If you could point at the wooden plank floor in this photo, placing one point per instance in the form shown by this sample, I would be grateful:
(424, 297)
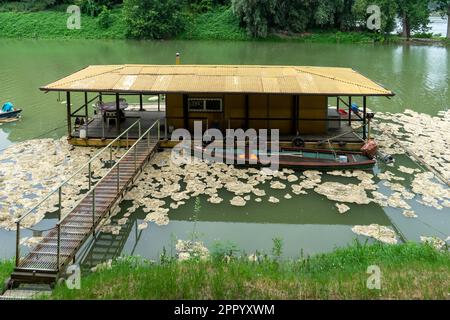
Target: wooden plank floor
(97, 128)
(81, 222)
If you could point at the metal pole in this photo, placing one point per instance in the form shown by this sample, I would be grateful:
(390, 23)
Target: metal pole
(349, 111)
(118, 113)
(139, 125)
(86, 111)
(90, 172)
(93, 211)
(135, 157)
(159, 132)
(59, 202)
(141, 104)
(118, 176)
(159, 102)
(17, 243)
(58, 248)
(110, 155)
(364, 117)
(165, 129)
(127, 139)
(69, 116)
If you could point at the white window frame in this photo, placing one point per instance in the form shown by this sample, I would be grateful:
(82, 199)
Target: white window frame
(204, 104)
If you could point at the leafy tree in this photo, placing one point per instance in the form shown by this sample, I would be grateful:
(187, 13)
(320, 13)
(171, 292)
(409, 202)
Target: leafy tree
(255, 15)
(388, 11)
(95, 7)
(293, 15)
(414, 15)
(153, 19)
(334, 13)
(444, 6)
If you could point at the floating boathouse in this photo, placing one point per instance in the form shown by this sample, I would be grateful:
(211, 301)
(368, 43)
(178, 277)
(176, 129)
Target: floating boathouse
(316, 103)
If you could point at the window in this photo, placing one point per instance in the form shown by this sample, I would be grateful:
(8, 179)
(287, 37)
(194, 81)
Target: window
(205, 104)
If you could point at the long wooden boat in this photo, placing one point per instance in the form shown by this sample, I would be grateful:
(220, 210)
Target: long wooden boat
(291, 157)
(11, 114)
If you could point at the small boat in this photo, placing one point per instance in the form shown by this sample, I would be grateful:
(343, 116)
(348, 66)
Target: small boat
(10, 114)
(291, 157)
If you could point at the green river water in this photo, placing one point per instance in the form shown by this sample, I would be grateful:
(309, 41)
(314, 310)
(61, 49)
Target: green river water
(419, 75)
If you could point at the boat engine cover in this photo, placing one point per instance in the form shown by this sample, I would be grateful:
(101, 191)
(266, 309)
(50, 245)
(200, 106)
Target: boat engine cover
(370, 149)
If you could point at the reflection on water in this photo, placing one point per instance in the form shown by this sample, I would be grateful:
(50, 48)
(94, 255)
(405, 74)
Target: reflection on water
(417, 74)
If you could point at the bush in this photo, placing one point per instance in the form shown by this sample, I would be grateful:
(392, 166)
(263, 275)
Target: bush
(153, 19)
(95, 7)
(105, 19)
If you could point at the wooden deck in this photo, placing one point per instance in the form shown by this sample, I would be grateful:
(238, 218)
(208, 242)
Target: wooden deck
(98, 129)
(46, 261)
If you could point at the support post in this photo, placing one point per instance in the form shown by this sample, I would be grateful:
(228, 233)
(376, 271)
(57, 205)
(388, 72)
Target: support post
(295, 114)
(337, 104)
(185, 111)
(141, 103)
(165, 129)
(135, 158)
(159, 132)
(118, 112)
(364, 117)
(90, 173)
(69, 117)
(118, 176)
(247, 112)
(349, 110)
(17, 243)
(59, 202)
(86, 111)
(159, 102)
(93, 212)
(58, 246)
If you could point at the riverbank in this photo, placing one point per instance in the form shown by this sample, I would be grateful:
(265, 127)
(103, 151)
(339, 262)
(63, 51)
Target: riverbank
(408, 271)
(217, 24)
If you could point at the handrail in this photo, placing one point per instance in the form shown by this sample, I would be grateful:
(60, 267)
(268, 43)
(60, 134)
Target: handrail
(116, 164)
(78, 171)
(92, 189)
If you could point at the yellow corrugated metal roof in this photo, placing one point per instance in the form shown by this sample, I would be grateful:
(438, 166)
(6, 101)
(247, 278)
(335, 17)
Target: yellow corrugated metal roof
(219, 79)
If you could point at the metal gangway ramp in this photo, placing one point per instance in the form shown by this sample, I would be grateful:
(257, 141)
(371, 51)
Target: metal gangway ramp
(45, 262)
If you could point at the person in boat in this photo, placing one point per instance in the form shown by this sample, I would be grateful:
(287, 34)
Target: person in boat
(8, 107)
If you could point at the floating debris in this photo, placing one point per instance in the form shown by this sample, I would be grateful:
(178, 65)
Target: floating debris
(277, 185)
(142, 226)
(342, 208)
(425, 135)
(436, 242)
(407, 170)
(343, 192)
(238, 201)
(380, 233)
(409, 213)
(287, 196)
(273, 200)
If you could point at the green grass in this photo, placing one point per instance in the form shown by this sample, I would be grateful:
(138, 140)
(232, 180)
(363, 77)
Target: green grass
(409, 271)
(218, 24)
(53, 25)
(6, 267)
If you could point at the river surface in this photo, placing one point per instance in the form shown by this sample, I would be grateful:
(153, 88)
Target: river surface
(419, 75)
